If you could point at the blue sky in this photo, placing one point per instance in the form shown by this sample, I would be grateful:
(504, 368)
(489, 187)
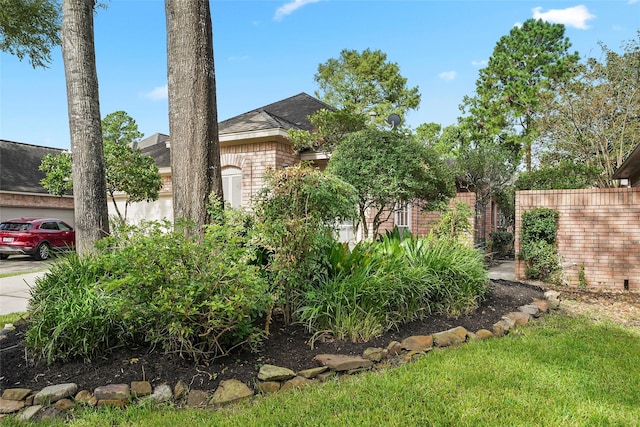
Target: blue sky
(268, 50)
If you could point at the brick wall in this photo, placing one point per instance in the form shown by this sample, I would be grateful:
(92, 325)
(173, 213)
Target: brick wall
(35, 201)
(597, 228)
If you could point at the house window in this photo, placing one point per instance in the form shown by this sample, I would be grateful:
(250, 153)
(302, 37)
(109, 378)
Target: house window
(232, 186)
(403, 216)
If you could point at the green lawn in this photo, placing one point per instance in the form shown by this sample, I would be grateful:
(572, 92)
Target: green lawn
(557, 371)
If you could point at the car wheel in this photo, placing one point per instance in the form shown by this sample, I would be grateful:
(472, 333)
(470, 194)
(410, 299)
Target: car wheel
(4, 256)
(42, 252)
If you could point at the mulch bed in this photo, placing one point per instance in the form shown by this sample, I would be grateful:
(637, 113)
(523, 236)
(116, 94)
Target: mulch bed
(286, 346)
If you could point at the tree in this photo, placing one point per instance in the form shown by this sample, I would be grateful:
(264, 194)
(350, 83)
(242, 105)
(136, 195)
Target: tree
(127, 170)
(29, 28)
(193, 117)
(330, 127)
(365, 83)
(388, 168)
(522, 68)
(594, 118)
(90, 192)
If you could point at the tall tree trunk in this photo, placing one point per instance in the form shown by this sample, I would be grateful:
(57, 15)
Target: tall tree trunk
(193, 117)
(89, 185)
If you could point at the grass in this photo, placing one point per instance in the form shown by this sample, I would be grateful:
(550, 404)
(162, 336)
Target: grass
(10, 318)
(558, 371)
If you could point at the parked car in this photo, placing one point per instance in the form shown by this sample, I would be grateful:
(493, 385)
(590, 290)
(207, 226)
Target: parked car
(37, 237)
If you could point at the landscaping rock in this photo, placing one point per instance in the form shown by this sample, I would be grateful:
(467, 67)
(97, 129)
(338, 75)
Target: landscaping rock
(141, 388)
(511, 323)
(500, 328)
(64, 404)
(28, 413)
(542, 305)
(530, 309)
(484, 334)
(161, 393)
(197, 398)
(518, 317)
(394, 348)
(275, 373)
(268, 387)
(53, 393)
(339, 363)
(297, 383)
(112, 403)
(312, 372)
(113, 392)
(417, 343)
(374, 354)
(10, 406)
(180, 390)
(230, 391)
(16, 393)
(451, 337)
(86, 398)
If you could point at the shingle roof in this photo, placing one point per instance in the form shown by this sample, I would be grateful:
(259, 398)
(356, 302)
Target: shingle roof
(19, 166)
(289, 113)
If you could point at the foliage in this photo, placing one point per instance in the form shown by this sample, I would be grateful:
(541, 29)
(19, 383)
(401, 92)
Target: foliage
(191, 295)
(330, 127)
(538, 240)
(454, 221)
(445, 142)
(296, 216)
(593, 119)
(365, 82)
(126, 169)
(388, 169)
(379, 285)
(70, 315)
(502, 243)
(29, 28)
(582, 277)
(523, 66)
(563, 175)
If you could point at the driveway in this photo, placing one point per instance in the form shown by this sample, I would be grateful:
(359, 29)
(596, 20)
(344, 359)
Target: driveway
(14, 290)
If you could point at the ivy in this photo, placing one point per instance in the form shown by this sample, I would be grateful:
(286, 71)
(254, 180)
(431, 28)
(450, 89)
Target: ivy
(539, 230)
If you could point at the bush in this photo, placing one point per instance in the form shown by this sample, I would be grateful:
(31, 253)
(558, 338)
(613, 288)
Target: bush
(71, 315)
(197, 296)
(501, 242)
(539, 228)
(379, 285)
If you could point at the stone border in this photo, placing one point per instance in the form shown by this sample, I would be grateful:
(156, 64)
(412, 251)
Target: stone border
(55, 401)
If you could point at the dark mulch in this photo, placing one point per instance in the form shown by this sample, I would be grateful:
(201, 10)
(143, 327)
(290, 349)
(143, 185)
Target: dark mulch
(286, 346)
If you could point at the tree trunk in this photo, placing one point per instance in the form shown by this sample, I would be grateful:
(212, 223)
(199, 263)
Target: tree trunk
(89, 185)
(193, 117)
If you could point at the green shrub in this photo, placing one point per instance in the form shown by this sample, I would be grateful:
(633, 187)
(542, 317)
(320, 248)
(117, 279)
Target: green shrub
(454, 222)
(539, 228)
(192, 295)
(501, 242)
(71, 315)
(380, 285)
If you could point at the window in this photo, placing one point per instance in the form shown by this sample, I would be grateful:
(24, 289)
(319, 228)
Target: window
(232, 186)
(403, 216)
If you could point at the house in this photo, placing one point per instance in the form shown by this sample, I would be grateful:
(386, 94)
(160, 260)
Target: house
(630, 169)
(21, 194)
(255, 141)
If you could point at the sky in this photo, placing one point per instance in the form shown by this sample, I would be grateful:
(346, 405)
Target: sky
(269, 50)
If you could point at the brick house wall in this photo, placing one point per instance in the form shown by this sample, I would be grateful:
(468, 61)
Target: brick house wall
(16, 204)
(597, 228)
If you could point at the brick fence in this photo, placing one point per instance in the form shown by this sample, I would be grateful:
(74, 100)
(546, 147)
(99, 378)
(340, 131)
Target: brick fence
(597, 228)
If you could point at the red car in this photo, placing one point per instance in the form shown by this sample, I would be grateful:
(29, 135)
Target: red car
(37, 237)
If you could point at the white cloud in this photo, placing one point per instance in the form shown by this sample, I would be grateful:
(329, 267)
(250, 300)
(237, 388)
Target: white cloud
(289, 8)
(633, 1)
(447, 75)
(575, 17)
(482, 63)
(518, 25)
(158, 93)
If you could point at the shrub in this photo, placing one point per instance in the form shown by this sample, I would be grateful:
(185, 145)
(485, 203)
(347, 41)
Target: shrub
(501, 242)
(379, 285)
(71, 315)
(539, 227)
(454, 222)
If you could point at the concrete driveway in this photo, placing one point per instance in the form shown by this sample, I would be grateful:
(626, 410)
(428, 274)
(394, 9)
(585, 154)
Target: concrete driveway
(14, 290)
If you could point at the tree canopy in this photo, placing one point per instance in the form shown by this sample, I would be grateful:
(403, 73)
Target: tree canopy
(30, 28)
(126, 169)
(389, 168)
(521, 70)
(365, 82)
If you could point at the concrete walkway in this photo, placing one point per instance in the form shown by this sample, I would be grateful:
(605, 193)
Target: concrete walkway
(506, 270)
(14, 292)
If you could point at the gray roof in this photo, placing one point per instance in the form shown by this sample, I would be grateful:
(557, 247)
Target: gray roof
(631, 165)
(19, 164)
(289, 113)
